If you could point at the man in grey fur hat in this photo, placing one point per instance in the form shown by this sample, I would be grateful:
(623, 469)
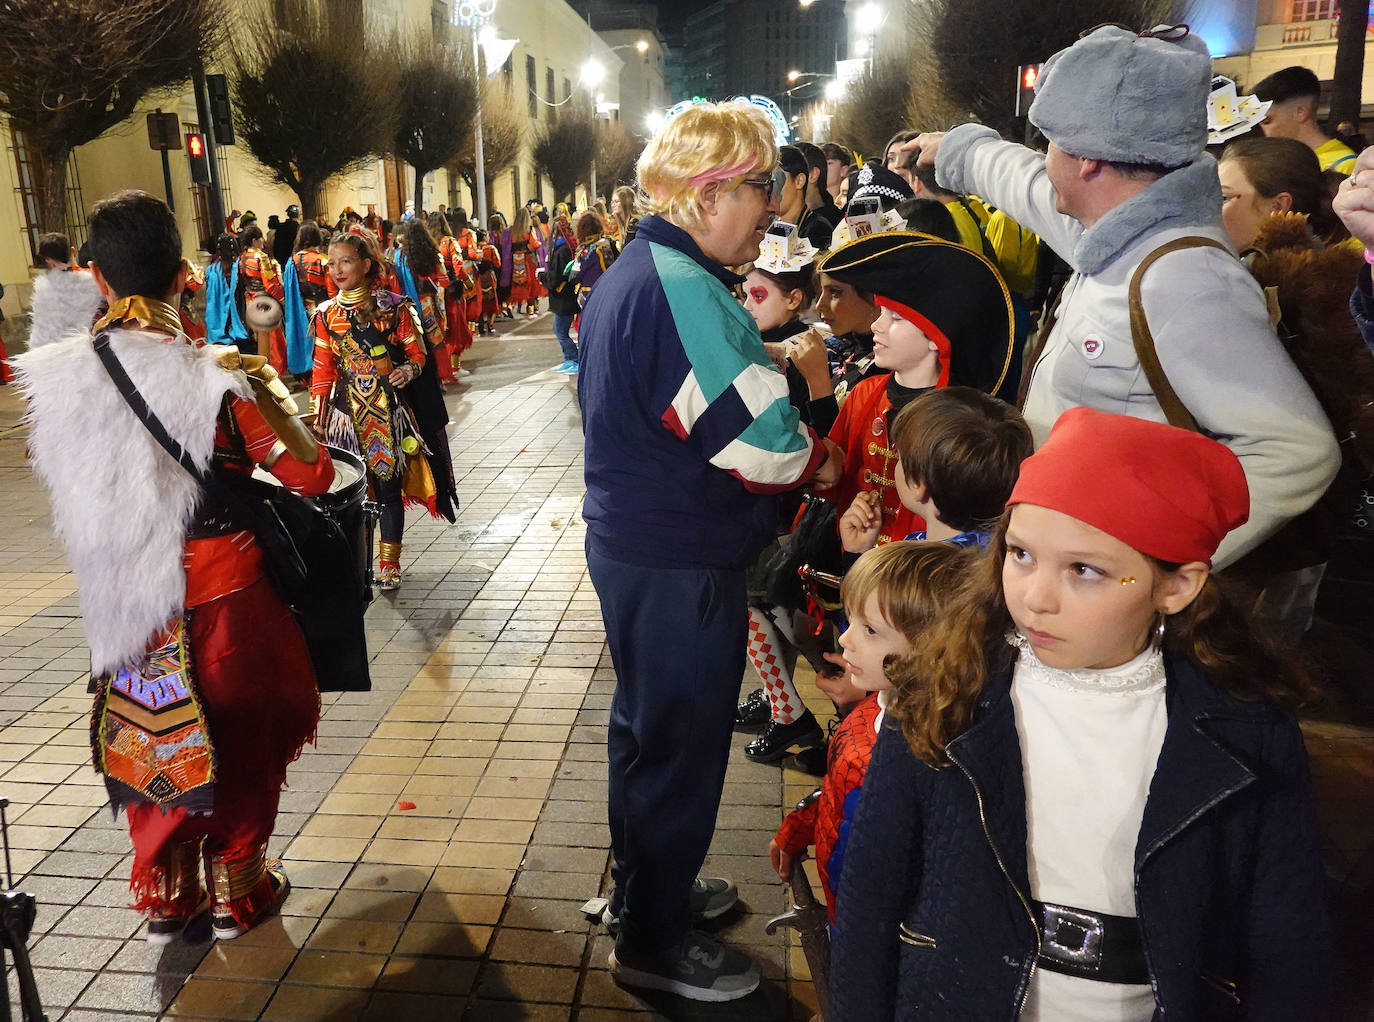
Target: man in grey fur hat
(1125, 174)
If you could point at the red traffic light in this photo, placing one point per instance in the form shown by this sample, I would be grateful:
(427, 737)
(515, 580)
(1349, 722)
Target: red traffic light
(197, 157)
(1026, 77)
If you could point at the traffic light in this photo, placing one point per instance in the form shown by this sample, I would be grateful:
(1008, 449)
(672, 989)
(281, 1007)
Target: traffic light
(200, 163)
(221, 112)
(1026, 77)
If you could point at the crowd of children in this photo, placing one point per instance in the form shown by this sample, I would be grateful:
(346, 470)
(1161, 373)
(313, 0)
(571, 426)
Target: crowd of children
(1064, 782)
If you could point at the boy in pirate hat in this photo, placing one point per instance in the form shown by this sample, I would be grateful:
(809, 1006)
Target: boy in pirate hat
(945, 317)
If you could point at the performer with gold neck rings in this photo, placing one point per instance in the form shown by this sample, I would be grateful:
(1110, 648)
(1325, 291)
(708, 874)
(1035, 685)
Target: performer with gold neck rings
(369, 352)
(204, 687)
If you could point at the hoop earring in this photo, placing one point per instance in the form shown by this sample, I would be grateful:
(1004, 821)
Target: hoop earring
(1158, 640)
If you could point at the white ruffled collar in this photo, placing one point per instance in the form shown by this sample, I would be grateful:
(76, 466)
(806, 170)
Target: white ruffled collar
(1142, 674)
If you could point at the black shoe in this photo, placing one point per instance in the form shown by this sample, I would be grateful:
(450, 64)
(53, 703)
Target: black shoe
(754, 711)
(775, 739)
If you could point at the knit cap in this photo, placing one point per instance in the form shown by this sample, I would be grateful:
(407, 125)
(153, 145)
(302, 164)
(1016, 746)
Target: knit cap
(1115, 95)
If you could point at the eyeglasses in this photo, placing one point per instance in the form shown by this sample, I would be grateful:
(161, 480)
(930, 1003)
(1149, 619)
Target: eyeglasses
(771, 186)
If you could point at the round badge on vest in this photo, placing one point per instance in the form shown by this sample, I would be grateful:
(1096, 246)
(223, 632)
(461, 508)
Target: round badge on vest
(878, 426)
(1092, 347)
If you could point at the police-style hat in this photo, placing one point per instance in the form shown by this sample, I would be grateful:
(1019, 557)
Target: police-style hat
(954, 295)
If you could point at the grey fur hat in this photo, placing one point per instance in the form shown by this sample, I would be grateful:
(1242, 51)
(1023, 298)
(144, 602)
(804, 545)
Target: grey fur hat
(1115, 95)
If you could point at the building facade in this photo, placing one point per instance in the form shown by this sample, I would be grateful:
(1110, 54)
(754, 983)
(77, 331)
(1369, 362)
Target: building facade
(747, 47)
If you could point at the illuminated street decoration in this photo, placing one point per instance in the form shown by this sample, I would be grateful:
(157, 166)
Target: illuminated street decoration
(781, 132)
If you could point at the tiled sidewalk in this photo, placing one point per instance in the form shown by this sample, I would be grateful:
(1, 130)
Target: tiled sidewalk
(444, 832)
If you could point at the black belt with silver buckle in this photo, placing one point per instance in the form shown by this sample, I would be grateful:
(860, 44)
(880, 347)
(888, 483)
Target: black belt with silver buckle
(1091, 945)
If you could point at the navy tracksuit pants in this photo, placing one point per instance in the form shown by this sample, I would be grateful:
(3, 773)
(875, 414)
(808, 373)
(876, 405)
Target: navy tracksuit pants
(678, 640)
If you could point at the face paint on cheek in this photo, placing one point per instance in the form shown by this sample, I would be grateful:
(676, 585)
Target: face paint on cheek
(759, 294)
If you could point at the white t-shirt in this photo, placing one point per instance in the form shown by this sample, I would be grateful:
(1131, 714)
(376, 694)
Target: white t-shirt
(1090, 740)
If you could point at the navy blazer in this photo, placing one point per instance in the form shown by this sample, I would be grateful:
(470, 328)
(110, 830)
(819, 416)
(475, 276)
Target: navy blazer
(934, 920)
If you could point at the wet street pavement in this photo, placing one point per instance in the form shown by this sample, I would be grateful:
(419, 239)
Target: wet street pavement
(443, 834)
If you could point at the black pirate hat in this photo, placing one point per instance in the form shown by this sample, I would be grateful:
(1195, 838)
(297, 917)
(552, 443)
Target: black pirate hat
(954, 295)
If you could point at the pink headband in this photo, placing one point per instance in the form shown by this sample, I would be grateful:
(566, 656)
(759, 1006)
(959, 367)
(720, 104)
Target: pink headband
(720, 175)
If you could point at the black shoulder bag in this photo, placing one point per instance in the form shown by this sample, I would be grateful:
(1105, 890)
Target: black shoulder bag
(306, 552)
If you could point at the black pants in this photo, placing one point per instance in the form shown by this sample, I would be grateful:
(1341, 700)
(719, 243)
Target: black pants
(388, 494)
(677, 638)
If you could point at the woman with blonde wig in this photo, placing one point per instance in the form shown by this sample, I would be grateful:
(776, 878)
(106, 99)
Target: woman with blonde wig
(689, 435)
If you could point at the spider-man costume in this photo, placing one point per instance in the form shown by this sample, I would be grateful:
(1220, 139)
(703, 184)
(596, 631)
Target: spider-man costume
(825, 821)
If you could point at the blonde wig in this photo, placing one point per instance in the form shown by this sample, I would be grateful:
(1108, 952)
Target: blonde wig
(707, 142)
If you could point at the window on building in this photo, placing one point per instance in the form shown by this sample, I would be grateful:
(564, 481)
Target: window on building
(532, 83)
(550, 95)
(1313, 10)
(28, 198)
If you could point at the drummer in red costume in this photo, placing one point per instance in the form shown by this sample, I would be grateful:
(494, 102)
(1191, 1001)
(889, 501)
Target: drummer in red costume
(369, 352)
(945, 317)
(193, 726)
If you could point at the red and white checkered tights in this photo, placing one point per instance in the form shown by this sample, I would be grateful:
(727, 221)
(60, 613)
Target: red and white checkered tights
(773, 656)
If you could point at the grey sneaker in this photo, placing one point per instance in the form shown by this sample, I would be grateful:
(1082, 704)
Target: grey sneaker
(701, 969)
(710, 897)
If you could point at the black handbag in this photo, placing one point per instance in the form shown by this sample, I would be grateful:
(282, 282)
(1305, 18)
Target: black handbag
(307, 555)
(815, 542)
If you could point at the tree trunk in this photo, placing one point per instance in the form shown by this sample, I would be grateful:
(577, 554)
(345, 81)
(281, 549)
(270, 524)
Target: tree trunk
(419, 193)
(1348, 78)
(309, 196)
(49, 168)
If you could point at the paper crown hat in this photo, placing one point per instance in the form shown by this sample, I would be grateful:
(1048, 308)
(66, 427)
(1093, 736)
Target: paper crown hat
(783, 250)
(952, 294)
(1229, 115)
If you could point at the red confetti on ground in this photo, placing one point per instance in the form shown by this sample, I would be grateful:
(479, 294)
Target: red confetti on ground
(405, 806)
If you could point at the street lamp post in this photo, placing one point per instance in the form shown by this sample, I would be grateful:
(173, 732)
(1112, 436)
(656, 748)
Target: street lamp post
(477, 14)
(593, 74)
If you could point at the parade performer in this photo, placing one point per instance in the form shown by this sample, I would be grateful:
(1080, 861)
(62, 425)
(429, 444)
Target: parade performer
(169, 600)
(423, 280)
(307, 283)
(369, 353)
(488, 261)
(458, 336)
(223, 321)
(525, 291)
(259, 274)
(501, 238)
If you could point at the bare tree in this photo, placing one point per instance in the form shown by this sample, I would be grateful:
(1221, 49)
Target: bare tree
(1348, 78)
(72, 70)
(504, 123)
(616, 155)
(565, 150)
(438, 106)
(873, 109)
(313, 96)
(979, 44)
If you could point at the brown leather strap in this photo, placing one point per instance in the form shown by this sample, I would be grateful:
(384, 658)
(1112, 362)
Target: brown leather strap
(1042, 338)
(1174, 409)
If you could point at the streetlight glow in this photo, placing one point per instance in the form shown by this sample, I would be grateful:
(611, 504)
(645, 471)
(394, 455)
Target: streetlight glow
(793, 75)
(834, 90)
(869, 18)
(593, 73)
(642, 46)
